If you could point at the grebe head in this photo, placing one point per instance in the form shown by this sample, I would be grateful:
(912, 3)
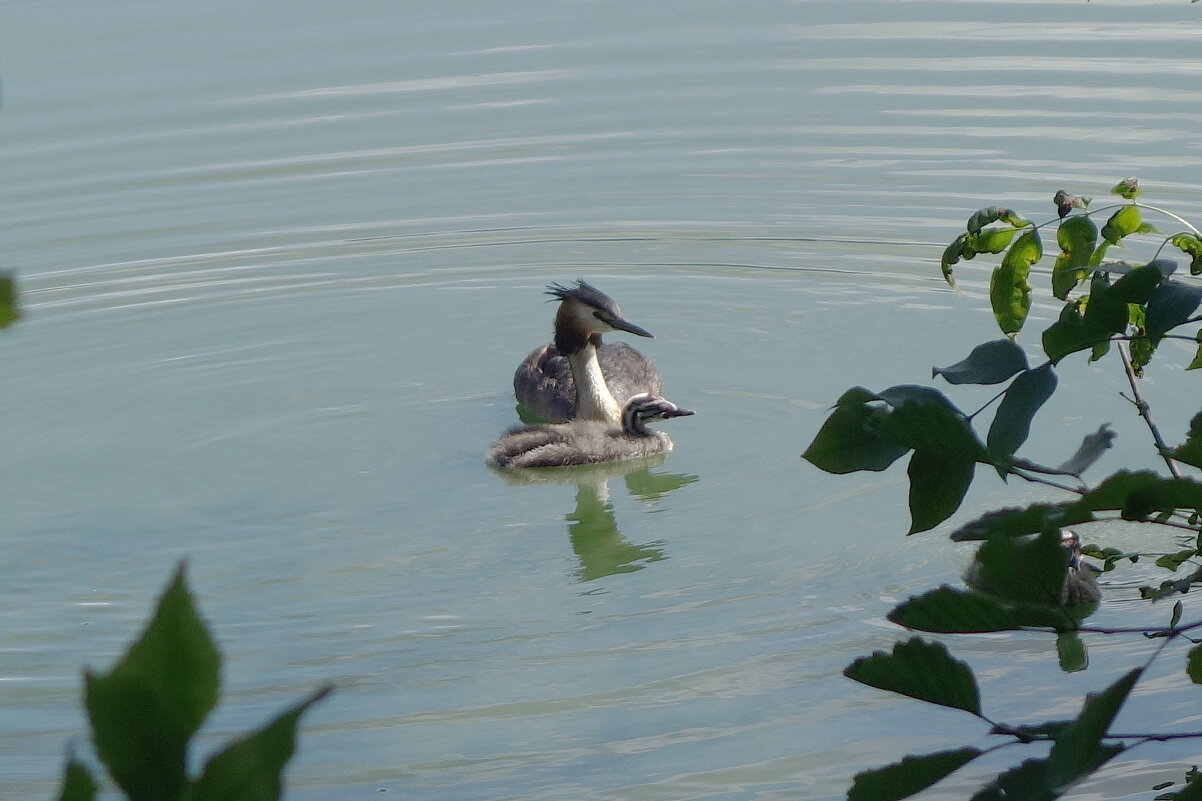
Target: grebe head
(1072, 543)
(586, 312)
(645, 408)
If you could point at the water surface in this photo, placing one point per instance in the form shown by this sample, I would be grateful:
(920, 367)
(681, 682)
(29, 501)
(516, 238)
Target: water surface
(280, 260)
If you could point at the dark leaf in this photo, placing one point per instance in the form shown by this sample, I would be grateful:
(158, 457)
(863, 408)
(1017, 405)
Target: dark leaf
(913, 774)
(1193, 664)
(921, 670)
(1105, 312)
(78, 784)
(1077, 237)
(1190, 451)
(1023, 571)
(1137, 495)
(1012, 423)
(1017, 522)
(1009, 292)
(1092, 448)
(924, 419)
(149, 705)
(1069, 333)
(1171, 304)
(989, 363)
(950, 611)
(250, 769)
(1079, 750)
(851, 439)
(938, 484)
(1071, 651)
(1139, 284)
(1192, 791)
(1027, 782)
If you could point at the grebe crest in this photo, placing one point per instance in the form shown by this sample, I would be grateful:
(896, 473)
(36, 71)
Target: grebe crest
(578, 376)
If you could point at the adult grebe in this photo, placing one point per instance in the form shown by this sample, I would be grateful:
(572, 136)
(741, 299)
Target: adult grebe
(577, 376)
(588, 441)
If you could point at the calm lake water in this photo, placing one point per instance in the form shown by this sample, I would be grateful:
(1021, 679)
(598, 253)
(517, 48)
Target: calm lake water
(279, 261)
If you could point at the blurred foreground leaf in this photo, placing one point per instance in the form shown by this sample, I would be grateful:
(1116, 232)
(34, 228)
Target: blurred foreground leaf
(921, 670)
(912, 775)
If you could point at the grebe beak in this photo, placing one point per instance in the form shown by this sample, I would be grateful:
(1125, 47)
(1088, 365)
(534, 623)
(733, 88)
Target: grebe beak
(623, 325)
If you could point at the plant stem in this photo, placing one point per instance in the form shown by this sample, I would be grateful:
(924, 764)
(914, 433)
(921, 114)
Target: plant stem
(1145, 412)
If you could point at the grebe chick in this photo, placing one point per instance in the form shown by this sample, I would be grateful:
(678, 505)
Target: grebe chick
(588, 441)
(576, 376)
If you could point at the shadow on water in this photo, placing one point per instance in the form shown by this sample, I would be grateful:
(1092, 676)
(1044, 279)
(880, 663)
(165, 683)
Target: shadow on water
(592, 525)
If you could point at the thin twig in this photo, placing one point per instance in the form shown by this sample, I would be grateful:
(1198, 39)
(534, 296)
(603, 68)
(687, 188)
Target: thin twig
(1145, 412)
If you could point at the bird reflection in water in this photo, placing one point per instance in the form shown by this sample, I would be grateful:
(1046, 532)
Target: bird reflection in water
(592, 526)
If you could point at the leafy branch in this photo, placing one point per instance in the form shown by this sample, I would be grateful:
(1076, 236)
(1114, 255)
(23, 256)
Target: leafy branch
(1028, 573)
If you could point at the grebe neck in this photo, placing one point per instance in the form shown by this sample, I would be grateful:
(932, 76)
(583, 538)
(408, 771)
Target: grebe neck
(594, 401)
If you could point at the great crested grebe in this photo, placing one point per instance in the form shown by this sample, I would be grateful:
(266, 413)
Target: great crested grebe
(576, 376)
(588, 441)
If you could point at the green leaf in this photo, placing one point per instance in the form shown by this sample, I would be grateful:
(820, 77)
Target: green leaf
(1071, 652)
(991, 240)
(1124, 222)
(1192, 246)
(250, 768)
(1079, 750)
(1077, 237)
(952, 254)
(1012, 422)
(1190, 451)
(78, 784)
(1171, 304)
(983, 217)
(938, 483)
(1128, 188)
(1009, 292)
(1027, 782)
(912, 775)
(1138, 495)
(924, 419)
(146, 709)
(1192, 791)
(988, 363)
(921, 670)
(1193, 664)
(947, 610)
(9, 313)
(1069, 333)
(1020, 521)
(1172, 561)
(851, 439)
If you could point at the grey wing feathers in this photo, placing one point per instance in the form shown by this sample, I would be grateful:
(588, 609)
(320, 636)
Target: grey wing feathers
(627, 372)
(543, 382)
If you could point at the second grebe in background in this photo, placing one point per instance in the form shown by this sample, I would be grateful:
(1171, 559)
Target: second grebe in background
(576, 376)
(579, 441)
